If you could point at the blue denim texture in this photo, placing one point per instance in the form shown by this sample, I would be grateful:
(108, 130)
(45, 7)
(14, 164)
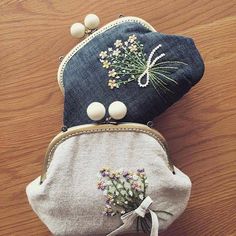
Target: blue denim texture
(85, 80)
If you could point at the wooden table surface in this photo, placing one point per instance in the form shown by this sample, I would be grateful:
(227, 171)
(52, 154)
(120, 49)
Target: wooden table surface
(200, 128)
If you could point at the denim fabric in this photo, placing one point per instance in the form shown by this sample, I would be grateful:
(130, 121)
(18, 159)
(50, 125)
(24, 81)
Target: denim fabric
(85, 80)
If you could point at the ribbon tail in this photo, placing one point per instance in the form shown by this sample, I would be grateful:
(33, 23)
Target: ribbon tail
(128, 220)
(156, 59)
(152, 53)
(150, 64)
(155, 224)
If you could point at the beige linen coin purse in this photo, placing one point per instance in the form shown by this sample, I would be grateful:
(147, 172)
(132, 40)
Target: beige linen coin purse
(105, 179)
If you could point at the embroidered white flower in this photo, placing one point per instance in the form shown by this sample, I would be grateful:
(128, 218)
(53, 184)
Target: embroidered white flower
(112, 73)
(103, 54)
(132, 38)
(135, 177)
(106, 64)
(133, 48)
(110, 49)
(116, 52)
(112, 84)
(118, 43)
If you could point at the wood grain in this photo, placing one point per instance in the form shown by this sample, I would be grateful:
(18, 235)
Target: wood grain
(200, 128)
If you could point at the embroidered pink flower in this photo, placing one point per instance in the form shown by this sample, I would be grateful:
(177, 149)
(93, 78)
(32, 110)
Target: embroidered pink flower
(101, 185)
(136, 186)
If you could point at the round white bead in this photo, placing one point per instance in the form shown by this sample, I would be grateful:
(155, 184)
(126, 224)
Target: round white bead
(77, 30)
(96, 111)
(91, 21)
(117, 110)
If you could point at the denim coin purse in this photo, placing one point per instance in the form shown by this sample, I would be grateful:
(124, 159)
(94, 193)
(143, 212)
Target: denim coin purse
(129, 61)
(108, 172)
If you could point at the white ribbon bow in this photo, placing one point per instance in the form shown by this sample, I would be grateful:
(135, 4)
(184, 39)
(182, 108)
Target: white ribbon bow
(150, 64)
(128, 218)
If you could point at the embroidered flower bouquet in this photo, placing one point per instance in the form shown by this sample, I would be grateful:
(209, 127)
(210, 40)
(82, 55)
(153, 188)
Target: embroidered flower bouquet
(127, 62)
(108, 172)
(124, 192)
